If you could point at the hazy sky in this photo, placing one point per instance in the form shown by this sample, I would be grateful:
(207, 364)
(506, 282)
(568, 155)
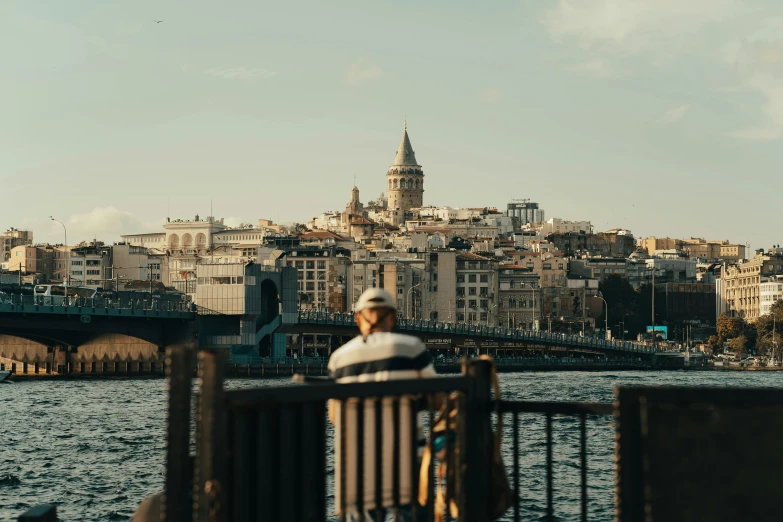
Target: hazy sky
(664, 117)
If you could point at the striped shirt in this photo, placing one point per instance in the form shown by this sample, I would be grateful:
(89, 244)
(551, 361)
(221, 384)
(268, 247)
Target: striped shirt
(382, 356)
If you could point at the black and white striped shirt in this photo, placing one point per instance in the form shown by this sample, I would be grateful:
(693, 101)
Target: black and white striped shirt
(381, 356)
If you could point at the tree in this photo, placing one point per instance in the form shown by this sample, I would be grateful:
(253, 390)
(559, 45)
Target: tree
(729, 327)
(739, 345)
(714, 345)
(300, 228)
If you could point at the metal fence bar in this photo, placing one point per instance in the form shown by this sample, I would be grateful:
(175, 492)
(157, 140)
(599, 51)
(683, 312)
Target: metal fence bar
(378, 460)
(583, 463)
(549, 488)
(517, 499)
(447, 449)
(414, 438)
(296, 394)
(431, 472)
(343, 460)
(396, 451)
(360, 457)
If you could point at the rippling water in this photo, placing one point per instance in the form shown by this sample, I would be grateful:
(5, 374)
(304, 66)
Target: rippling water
(95, 448)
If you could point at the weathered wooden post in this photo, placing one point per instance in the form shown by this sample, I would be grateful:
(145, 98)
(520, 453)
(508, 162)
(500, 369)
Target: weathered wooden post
(474, 448)
(178, 480)
(210, 467)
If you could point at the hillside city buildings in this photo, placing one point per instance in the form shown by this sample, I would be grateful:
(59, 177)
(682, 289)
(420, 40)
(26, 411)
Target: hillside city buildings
(480, 265)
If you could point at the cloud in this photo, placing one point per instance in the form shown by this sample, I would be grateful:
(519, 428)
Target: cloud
(673, 115)
(627, 27)
(239, 73)
(361, 71)
(491, 95)
(596, 67)
(233, 221)
(104, 223)
(759, 134)
(758, 63)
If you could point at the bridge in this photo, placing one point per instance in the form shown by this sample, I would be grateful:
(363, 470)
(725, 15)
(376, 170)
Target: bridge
(475, 336)
(249, 311)
(56, 335)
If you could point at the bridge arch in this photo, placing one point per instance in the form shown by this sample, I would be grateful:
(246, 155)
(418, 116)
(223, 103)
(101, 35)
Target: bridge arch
(16, 348)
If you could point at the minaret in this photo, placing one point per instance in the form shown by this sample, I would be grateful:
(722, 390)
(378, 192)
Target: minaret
(405, 177)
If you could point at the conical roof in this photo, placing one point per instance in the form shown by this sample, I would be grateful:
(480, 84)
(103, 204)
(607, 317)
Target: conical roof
(405, 155)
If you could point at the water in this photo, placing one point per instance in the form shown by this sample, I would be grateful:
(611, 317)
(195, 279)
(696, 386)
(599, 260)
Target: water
(95, 448)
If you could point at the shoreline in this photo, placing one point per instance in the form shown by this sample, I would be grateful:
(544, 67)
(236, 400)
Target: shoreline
(271, 371)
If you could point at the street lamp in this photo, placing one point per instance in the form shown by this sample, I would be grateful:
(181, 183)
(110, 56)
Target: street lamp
(606, 317)
(67, 253)
(652, 334)
(408, 308)
(489, 314)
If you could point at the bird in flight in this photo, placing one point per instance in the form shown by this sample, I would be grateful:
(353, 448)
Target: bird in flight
(157, 21)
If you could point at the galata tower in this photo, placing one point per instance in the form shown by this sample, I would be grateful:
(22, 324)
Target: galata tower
(405, 177)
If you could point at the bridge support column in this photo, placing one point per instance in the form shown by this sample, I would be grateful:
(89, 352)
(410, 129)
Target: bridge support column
(62, 359)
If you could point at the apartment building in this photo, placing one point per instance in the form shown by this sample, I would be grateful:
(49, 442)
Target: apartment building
(11, 239)
(770, 292)
(322, 274)
(91, 264)
(696, 247)
(518, 305)
(740, 285)
(402, 277)
(31, 260)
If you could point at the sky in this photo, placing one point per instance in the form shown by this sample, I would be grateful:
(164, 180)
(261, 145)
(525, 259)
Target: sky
(664, 118)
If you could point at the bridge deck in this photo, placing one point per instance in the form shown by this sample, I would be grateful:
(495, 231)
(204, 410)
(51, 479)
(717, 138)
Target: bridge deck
(487, 332)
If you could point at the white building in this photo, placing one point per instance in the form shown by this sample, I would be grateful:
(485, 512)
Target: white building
(770, 292)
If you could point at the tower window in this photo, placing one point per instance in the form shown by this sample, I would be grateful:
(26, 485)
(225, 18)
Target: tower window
(395, 183)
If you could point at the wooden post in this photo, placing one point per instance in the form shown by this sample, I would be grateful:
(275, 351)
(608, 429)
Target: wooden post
(177, 504)
(211, 458)
(475, 443)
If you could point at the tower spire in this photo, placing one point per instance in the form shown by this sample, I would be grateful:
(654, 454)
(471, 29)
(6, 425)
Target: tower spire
(405, 155)
(405, 123)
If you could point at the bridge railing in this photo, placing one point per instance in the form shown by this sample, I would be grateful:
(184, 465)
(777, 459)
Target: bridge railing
(496, 332)
(163, 305)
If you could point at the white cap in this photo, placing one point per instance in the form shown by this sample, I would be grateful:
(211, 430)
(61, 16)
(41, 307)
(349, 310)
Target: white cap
(375, 298)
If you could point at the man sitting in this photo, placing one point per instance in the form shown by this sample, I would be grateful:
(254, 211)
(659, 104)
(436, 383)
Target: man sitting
(377, 355)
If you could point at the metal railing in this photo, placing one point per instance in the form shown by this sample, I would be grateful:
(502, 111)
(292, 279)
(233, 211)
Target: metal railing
(17, 302)
(494, 332)
(515, 409)
(271, 454)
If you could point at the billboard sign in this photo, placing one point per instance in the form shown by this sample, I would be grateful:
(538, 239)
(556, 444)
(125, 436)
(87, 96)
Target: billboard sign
(662, 331)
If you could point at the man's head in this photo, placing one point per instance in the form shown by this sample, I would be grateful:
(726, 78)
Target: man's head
(375, 311)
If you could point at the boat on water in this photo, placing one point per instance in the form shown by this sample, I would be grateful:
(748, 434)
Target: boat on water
(4, 375)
